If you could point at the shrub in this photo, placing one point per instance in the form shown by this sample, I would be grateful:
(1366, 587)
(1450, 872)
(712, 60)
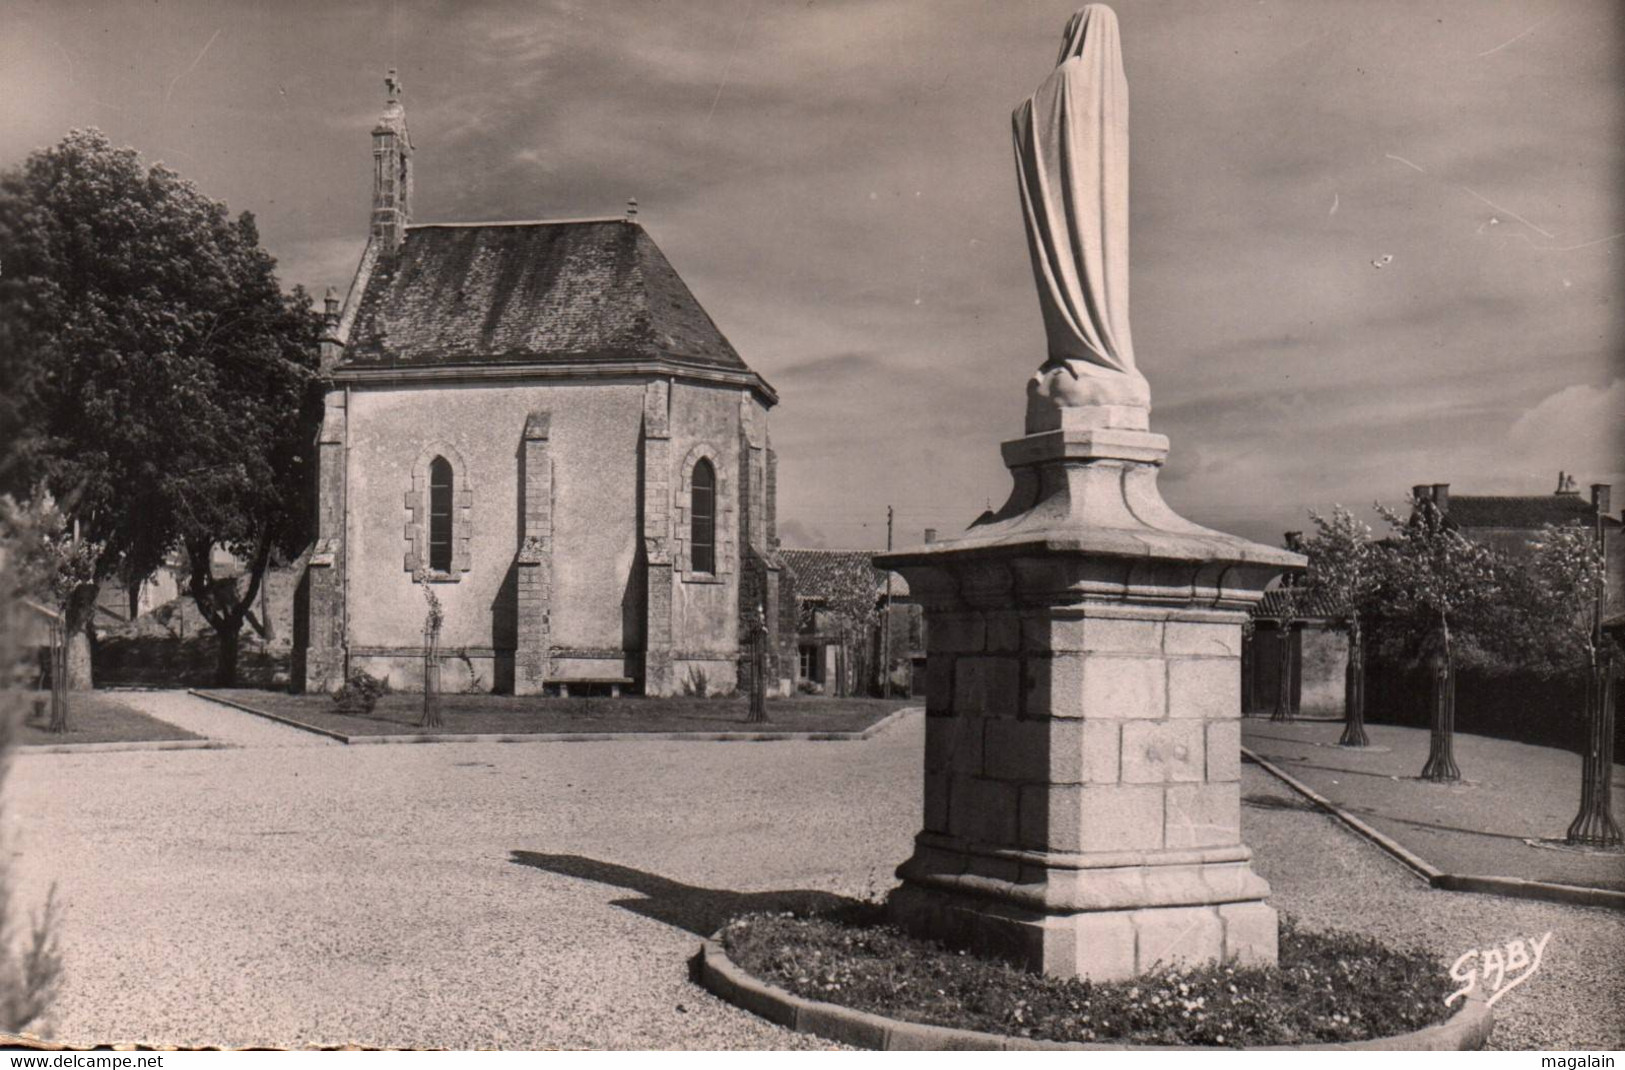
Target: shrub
(810, 687)
(360, 692)
(30, 973)
(694, 684)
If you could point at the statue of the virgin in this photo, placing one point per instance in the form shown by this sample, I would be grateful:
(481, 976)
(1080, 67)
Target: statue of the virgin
(1071, 140)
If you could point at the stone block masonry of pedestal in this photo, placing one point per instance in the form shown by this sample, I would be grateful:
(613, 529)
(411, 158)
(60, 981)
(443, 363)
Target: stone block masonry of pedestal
(1082, 790)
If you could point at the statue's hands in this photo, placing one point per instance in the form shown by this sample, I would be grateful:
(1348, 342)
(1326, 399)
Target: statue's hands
(1067, 384)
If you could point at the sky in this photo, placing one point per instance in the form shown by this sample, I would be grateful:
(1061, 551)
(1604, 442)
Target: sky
(1373, 244)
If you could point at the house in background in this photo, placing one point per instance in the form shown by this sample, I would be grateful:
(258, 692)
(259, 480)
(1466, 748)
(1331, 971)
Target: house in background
(1508, 523)
(841, 608)
(1314, 668)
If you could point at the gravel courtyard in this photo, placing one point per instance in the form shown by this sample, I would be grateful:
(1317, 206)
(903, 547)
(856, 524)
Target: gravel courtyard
(295, 892)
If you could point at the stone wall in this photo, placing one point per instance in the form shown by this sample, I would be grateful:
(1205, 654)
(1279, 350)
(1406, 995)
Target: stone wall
(1324, 658)
(611, 569)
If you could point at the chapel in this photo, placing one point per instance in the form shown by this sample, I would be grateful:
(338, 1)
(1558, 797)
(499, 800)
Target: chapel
(538, 423)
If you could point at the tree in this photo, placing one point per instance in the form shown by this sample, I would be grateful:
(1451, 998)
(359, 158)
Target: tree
(49, 565)
(433, 618)
(161, 379)
(756, 644)
(1284, 692)
(1570, 573)
(1431, 581)
(1342, 575)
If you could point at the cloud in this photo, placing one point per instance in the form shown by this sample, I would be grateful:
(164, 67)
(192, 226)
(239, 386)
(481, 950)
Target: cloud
(837, 364)
(1579, 429)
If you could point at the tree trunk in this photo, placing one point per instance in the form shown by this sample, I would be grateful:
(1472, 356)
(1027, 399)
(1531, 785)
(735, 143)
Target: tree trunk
(1283, 696)
(1594, 825)
(431, 680)
(1441, 764)
(758, 675)
(59, 679)
(80, 619)
(226, 619)
(225, 666)
(1354, 692)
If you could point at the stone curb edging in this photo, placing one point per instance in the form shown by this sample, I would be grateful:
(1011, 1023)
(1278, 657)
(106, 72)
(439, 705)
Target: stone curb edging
(1466, 1030)
(110, 746)
(1511, 887)
(573, 737)
(278, 718)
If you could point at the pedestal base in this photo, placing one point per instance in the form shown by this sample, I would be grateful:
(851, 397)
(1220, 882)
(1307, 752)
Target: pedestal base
(1105, 945)
(1082, 810)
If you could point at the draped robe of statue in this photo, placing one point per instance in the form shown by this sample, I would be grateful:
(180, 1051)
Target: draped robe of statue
(1071, 141)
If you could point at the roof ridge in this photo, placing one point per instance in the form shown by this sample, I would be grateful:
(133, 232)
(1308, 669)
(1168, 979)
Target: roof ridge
(529, 222)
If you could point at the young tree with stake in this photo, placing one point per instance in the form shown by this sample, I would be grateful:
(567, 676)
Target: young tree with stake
(1343, 573)
(1431, 582)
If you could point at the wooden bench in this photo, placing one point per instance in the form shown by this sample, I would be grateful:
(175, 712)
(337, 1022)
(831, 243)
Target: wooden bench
(614, 683)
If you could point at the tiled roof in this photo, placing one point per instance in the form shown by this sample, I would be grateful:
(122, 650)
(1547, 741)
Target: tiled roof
(1297, 602)
(1468, 511)
(839, 576)
(595, 291)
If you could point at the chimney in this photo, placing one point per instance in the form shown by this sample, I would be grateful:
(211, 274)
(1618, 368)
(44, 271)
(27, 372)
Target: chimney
(1601, 498)
(1441, 496)
(1566, 486)
(391, 170)
(931, 534)
(1422, 492)
(331, 347)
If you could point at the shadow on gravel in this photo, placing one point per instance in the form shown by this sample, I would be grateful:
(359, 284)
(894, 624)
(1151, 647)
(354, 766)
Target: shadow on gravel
(1276, 802)
(701, 911)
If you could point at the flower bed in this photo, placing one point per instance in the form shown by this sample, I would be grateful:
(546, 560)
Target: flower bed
(1328, 988)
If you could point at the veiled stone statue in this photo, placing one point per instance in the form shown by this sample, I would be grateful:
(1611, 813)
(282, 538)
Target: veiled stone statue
(1082, 767)
(1071, 139)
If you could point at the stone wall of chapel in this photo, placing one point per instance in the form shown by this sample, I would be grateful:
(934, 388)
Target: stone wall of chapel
(593, 445)
(705, 608)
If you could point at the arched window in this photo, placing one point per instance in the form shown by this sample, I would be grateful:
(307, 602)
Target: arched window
(440, 506)
(702, 513)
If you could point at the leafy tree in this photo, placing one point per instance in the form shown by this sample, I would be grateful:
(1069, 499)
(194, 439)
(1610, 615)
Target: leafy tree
(1431, 582)
(161, 378)
(1570, 574)
(1343, 574)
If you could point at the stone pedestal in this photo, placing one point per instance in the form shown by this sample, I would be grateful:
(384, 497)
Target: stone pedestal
(1082, 764)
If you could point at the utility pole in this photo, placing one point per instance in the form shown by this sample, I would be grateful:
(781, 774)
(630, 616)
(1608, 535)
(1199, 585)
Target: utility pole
(885, 620)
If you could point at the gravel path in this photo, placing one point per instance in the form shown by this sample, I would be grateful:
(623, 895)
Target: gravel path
(1509, 793)
(549, 895)
(221, 723)
(1328, 877)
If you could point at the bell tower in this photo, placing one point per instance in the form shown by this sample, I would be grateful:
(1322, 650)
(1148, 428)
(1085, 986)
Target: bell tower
(391, 170)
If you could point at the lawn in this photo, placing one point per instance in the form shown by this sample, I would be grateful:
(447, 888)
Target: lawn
(515, 715)
(93, 717)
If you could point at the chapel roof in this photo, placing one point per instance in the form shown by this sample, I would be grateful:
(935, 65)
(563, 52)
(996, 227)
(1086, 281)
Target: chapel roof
(593, 291)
